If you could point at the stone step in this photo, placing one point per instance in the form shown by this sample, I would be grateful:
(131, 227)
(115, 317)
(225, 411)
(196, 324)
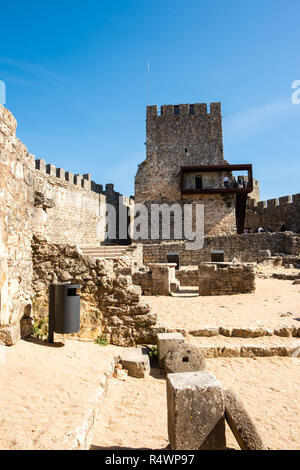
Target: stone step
(105, 252)
(217, 346)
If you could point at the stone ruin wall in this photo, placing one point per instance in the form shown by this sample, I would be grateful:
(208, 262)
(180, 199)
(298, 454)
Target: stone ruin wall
(218, 280)
(244, 247)
(39, 200)
(274, 213)
(16, 200)
(110, 304)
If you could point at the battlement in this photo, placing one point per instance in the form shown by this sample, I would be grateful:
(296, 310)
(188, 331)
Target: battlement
(196, 109)
(113, 195)
(271, 203)
(275, 213)
(81, 181)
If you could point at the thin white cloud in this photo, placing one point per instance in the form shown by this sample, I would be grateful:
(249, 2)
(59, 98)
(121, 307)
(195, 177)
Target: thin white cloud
(37, 71)
(247, 123)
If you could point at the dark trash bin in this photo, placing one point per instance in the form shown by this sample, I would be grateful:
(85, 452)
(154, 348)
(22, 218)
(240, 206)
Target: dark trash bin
(64, 309)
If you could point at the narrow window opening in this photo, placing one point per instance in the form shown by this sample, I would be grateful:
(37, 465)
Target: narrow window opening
(176, 109)
(192, 109)
(198, 182)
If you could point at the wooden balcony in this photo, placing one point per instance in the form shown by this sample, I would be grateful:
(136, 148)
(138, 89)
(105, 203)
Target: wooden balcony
(225, 169)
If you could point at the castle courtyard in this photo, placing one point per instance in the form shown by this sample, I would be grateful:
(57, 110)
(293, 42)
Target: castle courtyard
(274, 304)
(150, 229)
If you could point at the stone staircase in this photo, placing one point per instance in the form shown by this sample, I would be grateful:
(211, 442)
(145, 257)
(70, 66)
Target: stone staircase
(109, 251)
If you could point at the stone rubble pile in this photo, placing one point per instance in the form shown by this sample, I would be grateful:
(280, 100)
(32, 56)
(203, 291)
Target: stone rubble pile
(110, 304)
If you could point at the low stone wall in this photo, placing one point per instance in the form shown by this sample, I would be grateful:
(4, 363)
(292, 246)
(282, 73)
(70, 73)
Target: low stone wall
(215, 279)
(143, 278)
(158, 279)
(110, 304)
(244, 247)
(187, 276)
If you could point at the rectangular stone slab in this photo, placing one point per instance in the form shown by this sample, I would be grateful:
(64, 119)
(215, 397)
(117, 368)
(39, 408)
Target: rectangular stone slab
(136, 362)
(195, 407)
(240, 423)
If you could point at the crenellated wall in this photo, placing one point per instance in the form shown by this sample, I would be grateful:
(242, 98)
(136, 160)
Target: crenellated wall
(67, 207)
(16, 199)
(274, 213)
(39, 199)
(71, 208)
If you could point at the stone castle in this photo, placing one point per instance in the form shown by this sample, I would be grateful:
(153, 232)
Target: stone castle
(49, 216)
(185, 164)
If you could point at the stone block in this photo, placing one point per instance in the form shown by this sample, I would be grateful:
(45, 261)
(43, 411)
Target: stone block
(250, 332)
(284, 331)
(208, 331)
(241, 424)
(224, 331)
(166, 342)
(136, 362)
(195, 407)
(184, 358)
(10, 334)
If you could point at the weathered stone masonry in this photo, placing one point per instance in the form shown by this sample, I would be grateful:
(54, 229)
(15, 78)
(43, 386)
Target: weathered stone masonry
(224, 279)
(40, 200)
(72, 208)
(110, 304)
(185, 135)
(244, 247)
(16, 201)
(274, 213)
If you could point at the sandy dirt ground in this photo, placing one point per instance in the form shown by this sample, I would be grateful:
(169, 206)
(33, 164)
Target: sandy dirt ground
(268, 341)
(274, 303)
(47, 392)
(134, 412)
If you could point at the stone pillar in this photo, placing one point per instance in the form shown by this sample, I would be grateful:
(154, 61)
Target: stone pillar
(205, 273)
(162, 276)
(195, 411)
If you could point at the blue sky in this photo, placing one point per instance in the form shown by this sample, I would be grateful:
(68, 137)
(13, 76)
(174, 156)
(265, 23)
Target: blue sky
(76, 80)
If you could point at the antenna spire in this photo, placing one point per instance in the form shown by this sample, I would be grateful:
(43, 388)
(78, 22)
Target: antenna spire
(149, 83)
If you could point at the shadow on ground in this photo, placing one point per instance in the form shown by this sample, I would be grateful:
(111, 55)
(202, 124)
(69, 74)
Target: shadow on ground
(40, 342)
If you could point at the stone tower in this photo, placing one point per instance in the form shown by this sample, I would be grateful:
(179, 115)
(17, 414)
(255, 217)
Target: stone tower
(185, 165)
(182, 135)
